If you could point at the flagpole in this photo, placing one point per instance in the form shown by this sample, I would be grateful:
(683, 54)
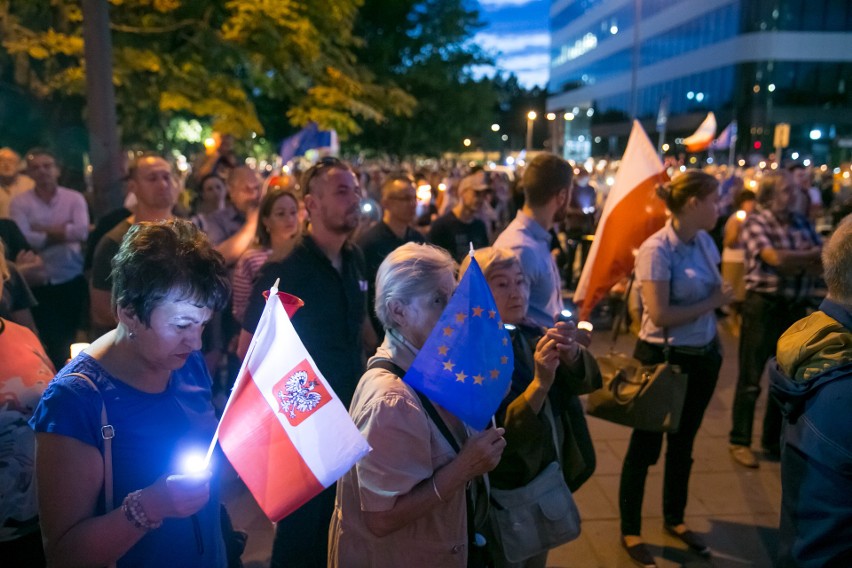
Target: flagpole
(273, 293)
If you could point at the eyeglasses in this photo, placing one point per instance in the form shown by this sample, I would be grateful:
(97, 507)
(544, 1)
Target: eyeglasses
(312, 172)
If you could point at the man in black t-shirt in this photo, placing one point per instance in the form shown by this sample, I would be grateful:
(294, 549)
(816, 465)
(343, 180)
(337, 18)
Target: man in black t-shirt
(327, 272)
(399, 201)
(455, 230)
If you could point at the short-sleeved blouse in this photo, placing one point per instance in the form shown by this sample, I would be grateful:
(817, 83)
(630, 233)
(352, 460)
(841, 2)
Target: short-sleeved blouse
(153, 433)
(692, 273)
(407, 448)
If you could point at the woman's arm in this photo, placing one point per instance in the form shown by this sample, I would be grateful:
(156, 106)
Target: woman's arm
(655, 297)
(480, 454)
(70, 476)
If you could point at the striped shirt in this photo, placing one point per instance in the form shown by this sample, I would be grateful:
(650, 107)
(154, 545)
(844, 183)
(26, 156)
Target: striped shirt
(243, 278)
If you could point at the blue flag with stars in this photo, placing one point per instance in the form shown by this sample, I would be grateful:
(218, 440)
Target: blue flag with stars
(466, 363)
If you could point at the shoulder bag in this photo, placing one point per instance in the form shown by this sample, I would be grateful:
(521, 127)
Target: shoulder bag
(540, 515)
(644, 397)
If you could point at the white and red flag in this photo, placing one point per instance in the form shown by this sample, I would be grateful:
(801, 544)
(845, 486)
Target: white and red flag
(284, 429)
(703, 136)
(632, 213)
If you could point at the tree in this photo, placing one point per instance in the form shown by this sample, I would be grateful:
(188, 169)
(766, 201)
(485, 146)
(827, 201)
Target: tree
(424, 48)
(213, 59)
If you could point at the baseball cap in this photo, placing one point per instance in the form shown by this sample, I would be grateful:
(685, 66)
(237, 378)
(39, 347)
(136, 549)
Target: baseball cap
(476, 182)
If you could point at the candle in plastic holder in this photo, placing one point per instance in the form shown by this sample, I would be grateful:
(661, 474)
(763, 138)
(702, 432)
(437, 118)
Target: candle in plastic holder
(76, 348)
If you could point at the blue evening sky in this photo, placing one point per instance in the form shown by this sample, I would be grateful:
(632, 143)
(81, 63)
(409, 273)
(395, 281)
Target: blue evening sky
(517, 35)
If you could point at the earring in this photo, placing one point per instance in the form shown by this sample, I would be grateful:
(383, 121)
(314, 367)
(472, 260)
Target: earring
(132, 335)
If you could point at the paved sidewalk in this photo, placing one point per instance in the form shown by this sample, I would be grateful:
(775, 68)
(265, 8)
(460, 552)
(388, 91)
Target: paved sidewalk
(734, 508)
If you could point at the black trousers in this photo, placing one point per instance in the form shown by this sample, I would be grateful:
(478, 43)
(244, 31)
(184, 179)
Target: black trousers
(58, 315)
(764, 319)
(301, 538)
(645, 447)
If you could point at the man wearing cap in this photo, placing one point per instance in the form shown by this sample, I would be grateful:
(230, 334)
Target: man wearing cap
(455, 230)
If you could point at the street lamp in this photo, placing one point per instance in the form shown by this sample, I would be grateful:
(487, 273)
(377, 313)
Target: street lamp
(495, 128)
(551, 119)
(466, 142)
(531, 116)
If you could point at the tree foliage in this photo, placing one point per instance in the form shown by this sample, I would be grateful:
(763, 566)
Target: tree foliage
(219, 60)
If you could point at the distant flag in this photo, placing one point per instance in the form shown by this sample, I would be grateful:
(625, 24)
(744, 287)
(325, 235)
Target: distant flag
(631, 214)
(466, 364)
(701, 138)
(728, 135)
(308, 138)
(284, 429)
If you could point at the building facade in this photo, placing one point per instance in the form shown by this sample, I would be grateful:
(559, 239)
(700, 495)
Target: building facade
(761, 62)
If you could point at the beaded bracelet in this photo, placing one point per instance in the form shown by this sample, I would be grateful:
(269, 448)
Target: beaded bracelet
(132, 507)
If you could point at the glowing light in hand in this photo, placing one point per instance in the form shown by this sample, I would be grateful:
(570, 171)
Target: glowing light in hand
(193, 463)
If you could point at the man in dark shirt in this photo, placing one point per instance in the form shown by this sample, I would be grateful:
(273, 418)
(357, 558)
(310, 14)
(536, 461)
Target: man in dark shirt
(399, 201)
(327, 272)
(455, 230)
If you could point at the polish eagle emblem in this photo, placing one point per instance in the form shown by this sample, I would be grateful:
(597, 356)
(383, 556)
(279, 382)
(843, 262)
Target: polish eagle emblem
(299, 394)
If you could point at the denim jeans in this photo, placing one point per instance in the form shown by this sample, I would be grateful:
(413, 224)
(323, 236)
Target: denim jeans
(645, 447)
(764, 319)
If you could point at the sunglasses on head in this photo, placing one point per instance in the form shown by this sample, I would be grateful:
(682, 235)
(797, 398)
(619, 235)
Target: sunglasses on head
(313, 171)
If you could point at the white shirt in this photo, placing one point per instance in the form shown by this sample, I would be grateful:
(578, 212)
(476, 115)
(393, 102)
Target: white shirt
(63, 261)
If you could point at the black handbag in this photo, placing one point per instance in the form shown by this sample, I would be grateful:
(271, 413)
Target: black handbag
(644, 397)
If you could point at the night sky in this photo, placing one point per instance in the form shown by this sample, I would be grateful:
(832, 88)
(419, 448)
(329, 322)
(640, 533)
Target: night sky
(517, 34)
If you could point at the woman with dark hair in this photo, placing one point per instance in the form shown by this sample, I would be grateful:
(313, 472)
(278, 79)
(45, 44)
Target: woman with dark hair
(150, 380)
(678, 279)
(277, 234)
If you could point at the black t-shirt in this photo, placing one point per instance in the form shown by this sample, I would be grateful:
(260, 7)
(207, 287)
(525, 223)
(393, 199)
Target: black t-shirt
(105, 224)
(13, 238)
(449, 233)
(102, 259)
(330, 324)
(377, 242)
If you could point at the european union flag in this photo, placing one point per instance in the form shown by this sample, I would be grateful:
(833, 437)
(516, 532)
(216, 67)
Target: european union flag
(466, 363)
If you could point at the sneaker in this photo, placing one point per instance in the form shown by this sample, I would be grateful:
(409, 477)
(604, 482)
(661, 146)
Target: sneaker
(743, 456)
(690, 539)
(639, 554)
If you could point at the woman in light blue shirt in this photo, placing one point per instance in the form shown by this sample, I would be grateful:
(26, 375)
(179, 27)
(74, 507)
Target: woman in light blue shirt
(680, 284)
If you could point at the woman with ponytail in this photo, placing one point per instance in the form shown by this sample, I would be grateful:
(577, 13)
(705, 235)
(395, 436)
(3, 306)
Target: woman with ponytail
(678, 278)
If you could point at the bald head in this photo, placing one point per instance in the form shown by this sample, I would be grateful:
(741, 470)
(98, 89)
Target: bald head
(837, 263)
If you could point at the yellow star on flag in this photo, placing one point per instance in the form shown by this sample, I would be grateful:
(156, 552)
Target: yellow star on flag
(505, 342)
(477, 379)
(504, 360)
(477, 312)
(491, 314)
(495, 373)
(448, 365)
(448, 331)
(460, 376)
(460, 317)
(443, 348)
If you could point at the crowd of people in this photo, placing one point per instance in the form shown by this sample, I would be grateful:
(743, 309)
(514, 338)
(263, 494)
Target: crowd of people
(167, 298)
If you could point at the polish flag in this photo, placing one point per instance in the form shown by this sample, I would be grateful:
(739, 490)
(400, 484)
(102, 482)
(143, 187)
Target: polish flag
(284, 429)
(703, 136)
(632, 213)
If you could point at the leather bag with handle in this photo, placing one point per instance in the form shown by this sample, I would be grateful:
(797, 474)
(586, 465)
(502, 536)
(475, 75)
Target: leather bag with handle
(644, 397)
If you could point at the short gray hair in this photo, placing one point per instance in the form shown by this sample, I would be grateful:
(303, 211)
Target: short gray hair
(408, 272)
(490, 259)
(837, 262)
